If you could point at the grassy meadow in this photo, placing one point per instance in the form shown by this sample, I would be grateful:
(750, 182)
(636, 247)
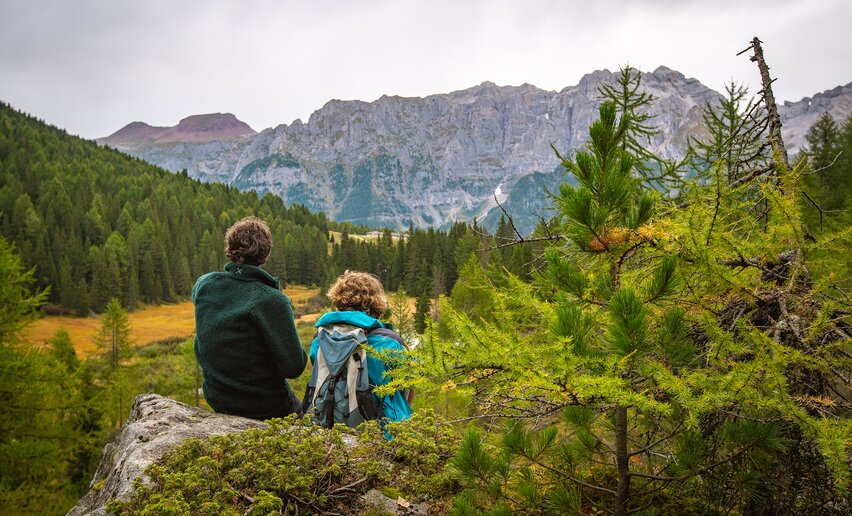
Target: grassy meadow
(148, 324)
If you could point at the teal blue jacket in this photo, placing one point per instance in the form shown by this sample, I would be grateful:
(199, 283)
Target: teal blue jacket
(396, 407)
(246, 342)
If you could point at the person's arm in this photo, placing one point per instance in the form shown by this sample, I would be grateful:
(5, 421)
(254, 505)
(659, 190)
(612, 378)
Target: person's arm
(314, 349)
(274, 317)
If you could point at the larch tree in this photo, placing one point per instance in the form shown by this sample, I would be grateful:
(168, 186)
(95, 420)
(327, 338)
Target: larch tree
(674, 353)
(114, 334)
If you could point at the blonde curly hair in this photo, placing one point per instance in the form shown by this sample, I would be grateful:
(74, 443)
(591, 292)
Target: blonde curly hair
(358, 291)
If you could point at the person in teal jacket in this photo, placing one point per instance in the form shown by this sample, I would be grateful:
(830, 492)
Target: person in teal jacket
(245, 337)
(359, 300)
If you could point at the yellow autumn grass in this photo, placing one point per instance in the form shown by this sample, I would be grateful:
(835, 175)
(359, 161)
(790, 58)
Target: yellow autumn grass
(337, 235)
(148, 324)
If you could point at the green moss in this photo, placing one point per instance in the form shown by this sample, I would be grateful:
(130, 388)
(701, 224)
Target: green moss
(390, 492)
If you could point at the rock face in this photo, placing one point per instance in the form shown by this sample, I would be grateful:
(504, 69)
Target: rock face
(156, 424)
(431, 161)
(798, 117)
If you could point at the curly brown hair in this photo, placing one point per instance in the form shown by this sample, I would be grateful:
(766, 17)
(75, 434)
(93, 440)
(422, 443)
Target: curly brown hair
(358, 291)
(248, 241)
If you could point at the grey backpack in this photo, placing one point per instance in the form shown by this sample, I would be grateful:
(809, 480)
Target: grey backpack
(339, 389)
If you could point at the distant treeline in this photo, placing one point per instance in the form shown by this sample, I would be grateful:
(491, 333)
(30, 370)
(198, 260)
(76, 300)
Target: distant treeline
(98, 224)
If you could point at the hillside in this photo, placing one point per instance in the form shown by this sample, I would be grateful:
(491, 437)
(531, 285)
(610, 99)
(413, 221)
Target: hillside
(97, 224)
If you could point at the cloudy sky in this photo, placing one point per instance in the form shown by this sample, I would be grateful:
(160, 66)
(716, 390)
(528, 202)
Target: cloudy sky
(93, 66)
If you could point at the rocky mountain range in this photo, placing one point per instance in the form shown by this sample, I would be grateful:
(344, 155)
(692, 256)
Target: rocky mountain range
(431, 161)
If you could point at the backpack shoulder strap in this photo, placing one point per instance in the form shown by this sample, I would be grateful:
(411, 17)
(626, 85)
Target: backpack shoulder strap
(387, 332)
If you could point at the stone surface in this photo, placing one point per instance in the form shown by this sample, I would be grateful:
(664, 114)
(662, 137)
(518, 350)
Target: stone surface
(155, 425)
(798, 117)
(378, 502)
(431, 161)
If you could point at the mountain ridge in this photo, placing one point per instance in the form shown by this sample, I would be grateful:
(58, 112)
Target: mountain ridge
(192, 129)
(430, 161)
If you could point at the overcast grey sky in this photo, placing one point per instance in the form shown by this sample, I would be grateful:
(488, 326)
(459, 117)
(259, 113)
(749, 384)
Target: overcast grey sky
(93, 66)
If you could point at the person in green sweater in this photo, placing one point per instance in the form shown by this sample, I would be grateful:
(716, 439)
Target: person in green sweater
(245, 336)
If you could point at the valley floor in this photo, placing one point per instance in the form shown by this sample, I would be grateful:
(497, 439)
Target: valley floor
(148, 324)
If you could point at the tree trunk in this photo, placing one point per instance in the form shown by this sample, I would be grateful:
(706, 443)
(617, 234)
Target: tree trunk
(621, 461)
(775, 138)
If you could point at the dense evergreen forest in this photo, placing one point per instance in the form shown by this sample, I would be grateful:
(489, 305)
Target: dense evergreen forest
(677, 351)
(98, 224)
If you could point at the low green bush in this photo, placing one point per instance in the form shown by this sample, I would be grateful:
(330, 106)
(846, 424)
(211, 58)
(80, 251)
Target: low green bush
(295, 466)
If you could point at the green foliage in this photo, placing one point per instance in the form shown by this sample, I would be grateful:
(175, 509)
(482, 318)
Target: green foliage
(17, 304)
(825, 145)
(62, 349)
(688, 352)
(726, 148)
(39, 437)
(295, 466)
(826, 202)
(421, 312)
(470, 294)
(606, 204)
(114, 335)
(400, 315)
(632, 102)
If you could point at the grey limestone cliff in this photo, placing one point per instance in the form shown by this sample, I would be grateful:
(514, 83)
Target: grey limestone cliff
(434, 160)
(798, 117)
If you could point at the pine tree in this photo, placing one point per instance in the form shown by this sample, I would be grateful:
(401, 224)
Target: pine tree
(63, 351)
(824, 145)
(17, 304)
(633, 101)
(422, 312)
(403, 322)
(114, 335)
(827, 194)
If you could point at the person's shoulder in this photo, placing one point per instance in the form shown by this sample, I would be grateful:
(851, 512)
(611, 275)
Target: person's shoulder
(207, 278)
(385, 338)
(269, 294)
(353, 318)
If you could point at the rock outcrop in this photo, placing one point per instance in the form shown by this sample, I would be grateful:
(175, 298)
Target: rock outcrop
(798, 117)
(156, 425)
(431, 161)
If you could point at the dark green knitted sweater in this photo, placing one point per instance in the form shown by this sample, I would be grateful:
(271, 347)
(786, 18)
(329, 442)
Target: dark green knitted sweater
(246, 342)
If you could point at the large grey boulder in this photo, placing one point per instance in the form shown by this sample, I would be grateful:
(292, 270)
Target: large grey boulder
(156, 425)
